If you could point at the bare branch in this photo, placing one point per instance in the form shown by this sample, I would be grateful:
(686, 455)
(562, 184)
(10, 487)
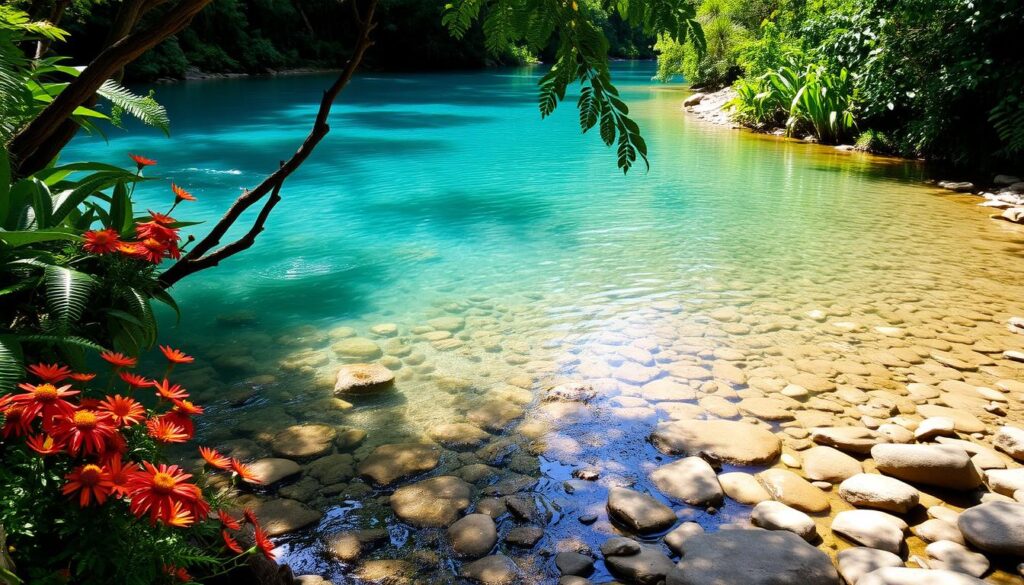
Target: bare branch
(197, 258)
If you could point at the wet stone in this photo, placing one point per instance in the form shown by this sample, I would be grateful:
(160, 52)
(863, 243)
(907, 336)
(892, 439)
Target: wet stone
(304, 441)
(676, 539)
(362, 379)
(492, 570)
(281, 515)
(647, 566)
(389, 463)
(733, 442)
(272, 470)
(574, 563)
(494, 414)
(357, 348)
(524, 536)
(473, 535)
(350, 546)
(332, 469)
(435, 502)
(639, 512)
(691, 480)
(387, 572)
(459, 436)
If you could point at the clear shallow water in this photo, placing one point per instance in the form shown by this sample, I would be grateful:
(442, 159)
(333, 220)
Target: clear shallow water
(445, 195)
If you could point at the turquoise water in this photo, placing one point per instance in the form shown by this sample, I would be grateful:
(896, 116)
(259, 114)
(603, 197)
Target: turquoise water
(445, 195)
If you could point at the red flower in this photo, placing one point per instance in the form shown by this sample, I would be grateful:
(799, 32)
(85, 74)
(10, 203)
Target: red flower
(264, 544)
(86, 431)
(167, 392)
(119, 360)
(181, 194)
(165, 431)
(243, 471)
(120, 474)
(228, 521)
(92, 481)
(50, 373)
(250, 517)
(101, 241)
(162, 218)
(176, 356)
(154, 490)
(156, 231)
(231, 543)
(82, 376)
(178, 573)
(15, 422)
(43, 444)
(135, 380)
(217, 460)
(141, 161)
(45, 399)
(129, 248)
(151, 250)
(125, 411)
(179, 418)
(187, 408)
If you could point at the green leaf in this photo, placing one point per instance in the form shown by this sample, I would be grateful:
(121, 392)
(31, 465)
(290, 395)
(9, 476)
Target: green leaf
(144, 108)
(21, 238)
(120, 209)
(11, 370)
(67, 293)
(5, 184)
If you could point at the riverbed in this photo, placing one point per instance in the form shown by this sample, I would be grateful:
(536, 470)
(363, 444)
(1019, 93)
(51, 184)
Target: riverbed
(485, 257)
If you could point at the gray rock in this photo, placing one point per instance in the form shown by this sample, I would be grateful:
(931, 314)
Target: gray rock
(995, 527)
(938, 465)
(778, 516)
(573, 580)
(951, 556)
(639, 512)
(858, 561)
(908, 576)
(574, 563)
(693, 100)
(676, 540)
(492, 570)
(350, 546)
(958, 186)
(752, 557)
(871, 528)
(933, 530)
(619, 546)
(524, 536)
(878, 491)
(473, 535)
(648, 566)
(733, 442)
(435, 502)
(690, 480)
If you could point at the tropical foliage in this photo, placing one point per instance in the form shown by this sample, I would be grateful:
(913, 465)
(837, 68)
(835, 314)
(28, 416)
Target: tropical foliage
(714, 64)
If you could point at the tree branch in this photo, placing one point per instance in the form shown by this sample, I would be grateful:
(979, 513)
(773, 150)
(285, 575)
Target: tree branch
(40, 141)
(198, 258)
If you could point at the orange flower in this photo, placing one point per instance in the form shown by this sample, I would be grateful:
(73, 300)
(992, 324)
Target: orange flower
(129, 248)
(187, 408)
(215, 459)
(151, 250)
(264, 544)
(91, 481)
(168, 392)
(154, 489)
(141, 161)
(243, 471)
(135, 380)
(43, 444)
(162, 218)
(120, 474)
(179, 516)
(231, 543)
(15, 423)
(101, 241)
(165, 431)
(156, 231)
(181, 194)
(179, 418)
(250, 517)
(86, 431)
(176, 356)
(228, 521)
(45, 399)
(82, 376)
(119, 360)
(125, 411)
(50, 373)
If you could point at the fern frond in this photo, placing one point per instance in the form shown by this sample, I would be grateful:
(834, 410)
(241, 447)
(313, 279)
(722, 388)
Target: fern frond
(144, 108)
(67, 293)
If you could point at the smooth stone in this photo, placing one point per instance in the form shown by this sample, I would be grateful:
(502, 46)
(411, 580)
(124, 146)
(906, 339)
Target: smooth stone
(878, 491)
(362, 379)
(459, 436)
(524, 536)
(282, 515)
(791, 489)
(357, 347)
(304, 441)
(994, 527)
(639, 512)
(473, 535)
(494, 414)
(743, 487)
(858, 561)
(937, 465)
(733, 442)
(619, 546)
(574, 563)
(871, 528)
(936, 426)
(350, 546)
(952, 556)
(909, 576)
(387, 571)
(676, 539)
(492, 570)
(752, 557)
(648, 566)
(1010, 440)
(829, 464)
(691, 480)
(389, 463)
(1005, 481)
(858, 440)
(772, 515)
(963, 421)
(449, 324)
(933, 530)
(573, 580)
(332, 469)
(435, 502)
(272, 469)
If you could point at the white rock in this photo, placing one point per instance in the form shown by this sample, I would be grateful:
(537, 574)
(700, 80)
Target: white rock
(691, 480)
(878, 491)
(778, 516)
(908, 576)
(1010, 440)
(858, 561)
(952, 556)
(871, 528)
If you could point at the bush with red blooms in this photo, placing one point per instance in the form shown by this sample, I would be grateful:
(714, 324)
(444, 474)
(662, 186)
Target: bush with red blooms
(87, 497)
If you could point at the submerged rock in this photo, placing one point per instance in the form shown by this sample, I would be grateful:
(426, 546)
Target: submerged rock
(272, 470)
(646, 566)
(492, 570)
(357, 348)
(459, 436)
(435, 502)
(738, 443)
(351, 545)
(473, 536)
(362, 378)
(304, 441)
(389, 463)
(691, 480)
(281, 515)
(639, 512)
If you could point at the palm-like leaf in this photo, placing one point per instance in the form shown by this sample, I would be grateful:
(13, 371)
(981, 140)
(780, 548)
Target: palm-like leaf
(10, 364)
(145, 108)
(67, 294)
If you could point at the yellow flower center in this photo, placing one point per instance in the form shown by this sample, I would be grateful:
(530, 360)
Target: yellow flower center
(90, 474)
(45, 392)
(85, 419)
(164, 482)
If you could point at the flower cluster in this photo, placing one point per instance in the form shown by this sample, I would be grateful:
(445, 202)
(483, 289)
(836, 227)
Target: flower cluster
(57, 416)
(155, 239)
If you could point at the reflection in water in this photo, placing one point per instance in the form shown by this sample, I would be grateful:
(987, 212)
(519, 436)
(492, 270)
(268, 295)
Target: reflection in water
(511, 256)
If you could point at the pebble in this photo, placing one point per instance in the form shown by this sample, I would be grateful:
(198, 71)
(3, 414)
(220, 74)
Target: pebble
(829, 464)
(878, 491)
(743, 487)
(435, 502)
(791, 489)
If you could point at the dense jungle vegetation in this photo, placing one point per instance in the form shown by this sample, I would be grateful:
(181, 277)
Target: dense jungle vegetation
(935, 78)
